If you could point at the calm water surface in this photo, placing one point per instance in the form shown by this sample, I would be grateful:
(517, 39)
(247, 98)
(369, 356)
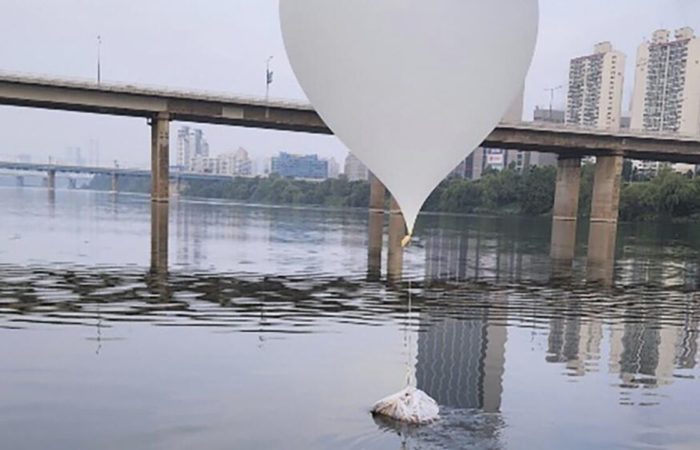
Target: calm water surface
(265, 332)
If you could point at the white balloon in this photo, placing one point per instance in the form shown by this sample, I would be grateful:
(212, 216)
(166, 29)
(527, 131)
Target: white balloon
(411, 87)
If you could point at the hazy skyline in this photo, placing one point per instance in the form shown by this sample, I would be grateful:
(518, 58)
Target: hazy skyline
(224, 47)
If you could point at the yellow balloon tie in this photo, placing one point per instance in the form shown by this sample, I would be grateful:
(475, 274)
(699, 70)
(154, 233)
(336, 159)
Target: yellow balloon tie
(406, 240)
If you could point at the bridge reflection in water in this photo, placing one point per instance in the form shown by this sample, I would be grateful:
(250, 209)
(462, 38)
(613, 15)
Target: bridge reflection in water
(462, 249)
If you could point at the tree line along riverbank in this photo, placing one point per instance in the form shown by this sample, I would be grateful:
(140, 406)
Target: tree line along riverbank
(531, 192)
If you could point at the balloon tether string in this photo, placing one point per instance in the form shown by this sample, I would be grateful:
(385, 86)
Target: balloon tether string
(407, 335)
(409, 372)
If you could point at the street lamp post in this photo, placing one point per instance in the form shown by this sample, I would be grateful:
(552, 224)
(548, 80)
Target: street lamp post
(268, 81)
(99, 59)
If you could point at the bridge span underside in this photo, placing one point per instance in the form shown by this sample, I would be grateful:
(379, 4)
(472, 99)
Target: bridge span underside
(160, 107)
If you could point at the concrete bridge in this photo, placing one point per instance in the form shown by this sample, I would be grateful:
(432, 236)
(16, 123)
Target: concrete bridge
(160, 106)
(176, 177)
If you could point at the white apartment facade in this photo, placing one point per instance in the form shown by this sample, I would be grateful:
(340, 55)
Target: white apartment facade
(235, 164)
(666, 96)
(596, 85)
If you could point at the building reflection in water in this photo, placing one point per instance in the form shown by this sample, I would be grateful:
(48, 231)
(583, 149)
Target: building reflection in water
(575, 342)
(648, 353)
(645, 352)
(461, 362)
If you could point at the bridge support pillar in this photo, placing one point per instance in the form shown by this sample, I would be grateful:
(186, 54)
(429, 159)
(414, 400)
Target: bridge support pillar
(397, 231)
(604, 214)
(565, 213)
(20, 181)
(51, 180)
(115, 183)
(160, 157)
(377, 196)
(72, 183)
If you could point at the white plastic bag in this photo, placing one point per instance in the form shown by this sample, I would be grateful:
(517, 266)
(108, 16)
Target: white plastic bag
(411, 406)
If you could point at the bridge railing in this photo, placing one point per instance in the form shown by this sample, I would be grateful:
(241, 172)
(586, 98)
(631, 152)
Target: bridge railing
(150, 89)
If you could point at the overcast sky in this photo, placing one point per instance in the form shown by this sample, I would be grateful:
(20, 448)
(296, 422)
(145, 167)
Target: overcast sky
(223, 45)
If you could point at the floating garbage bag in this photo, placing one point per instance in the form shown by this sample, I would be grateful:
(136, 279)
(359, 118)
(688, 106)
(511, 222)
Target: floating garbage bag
(411, 405)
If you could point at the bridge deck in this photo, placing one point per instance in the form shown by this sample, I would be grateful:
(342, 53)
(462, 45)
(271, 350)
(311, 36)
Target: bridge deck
(37, 167)
(224, 109)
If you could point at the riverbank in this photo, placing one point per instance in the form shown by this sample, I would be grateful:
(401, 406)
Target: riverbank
(669, 196)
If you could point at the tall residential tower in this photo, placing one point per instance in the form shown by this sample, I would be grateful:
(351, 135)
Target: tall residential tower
(667, 85)
(595, 89)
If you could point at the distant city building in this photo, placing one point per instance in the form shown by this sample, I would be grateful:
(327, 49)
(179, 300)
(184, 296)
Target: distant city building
(299, 166)
(333, 168)
(666, 95)
(355, 170)
(192, 150)
(201, 146)
(596, 85)
(184, 149)
(264, 167)
(235, 164)
(204, 165)
(549, 115)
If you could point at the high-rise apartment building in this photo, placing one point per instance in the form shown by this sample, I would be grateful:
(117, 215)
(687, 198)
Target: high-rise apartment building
(192, 149)
(184, 147)
(595, 89)
(666, 94)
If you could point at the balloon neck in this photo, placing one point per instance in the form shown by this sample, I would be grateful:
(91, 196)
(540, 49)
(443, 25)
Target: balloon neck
(406, 240)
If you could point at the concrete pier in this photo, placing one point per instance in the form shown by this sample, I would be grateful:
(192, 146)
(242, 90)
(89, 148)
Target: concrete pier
(605, 205)
(565, 213)
(51, 180)
(377, 197)
(397, 231)
(160, 212)
(160, 158)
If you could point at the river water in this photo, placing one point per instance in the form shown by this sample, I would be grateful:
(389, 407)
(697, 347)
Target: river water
(266, 333)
